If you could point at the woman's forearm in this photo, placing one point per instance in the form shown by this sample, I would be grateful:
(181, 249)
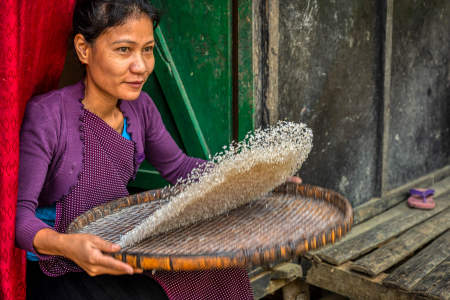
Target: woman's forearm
(49, 242)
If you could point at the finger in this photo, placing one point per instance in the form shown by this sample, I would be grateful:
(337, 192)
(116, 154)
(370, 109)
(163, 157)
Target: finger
(294, 179)
(105, 246)
(111, 263)
(99, 270)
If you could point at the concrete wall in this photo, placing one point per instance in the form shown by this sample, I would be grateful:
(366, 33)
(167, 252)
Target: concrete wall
(371, 78)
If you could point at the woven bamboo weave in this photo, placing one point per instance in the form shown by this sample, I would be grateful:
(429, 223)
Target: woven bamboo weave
(290, 220)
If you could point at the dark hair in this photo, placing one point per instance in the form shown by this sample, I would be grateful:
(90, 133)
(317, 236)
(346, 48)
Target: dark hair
(92, 17)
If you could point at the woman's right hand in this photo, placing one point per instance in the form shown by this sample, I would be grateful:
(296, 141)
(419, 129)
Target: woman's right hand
(86, 250)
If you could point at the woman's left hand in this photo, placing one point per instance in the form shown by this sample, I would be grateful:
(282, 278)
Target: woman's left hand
(294, 179)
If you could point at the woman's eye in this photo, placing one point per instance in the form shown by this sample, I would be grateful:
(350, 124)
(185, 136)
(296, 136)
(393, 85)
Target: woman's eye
(123, 49)
(148, 49)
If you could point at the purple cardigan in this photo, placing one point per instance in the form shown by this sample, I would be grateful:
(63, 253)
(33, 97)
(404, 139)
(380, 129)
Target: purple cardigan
(51, 151)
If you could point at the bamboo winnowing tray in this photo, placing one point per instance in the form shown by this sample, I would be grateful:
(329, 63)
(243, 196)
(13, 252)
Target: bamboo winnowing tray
(288, 221)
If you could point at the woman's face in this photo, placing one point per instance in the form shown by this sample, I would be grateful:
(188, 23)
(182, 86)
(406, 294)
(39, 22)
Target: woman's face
(120, 60)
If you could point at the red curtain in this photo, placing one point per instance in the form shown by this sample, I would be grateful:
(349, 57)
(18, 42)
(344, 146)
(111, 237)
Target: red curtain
(33, 44)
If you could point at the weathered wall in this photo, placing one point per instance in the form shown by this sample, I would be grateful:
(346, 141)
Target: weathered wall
(375, 129)
(419, 134)
(327, 79)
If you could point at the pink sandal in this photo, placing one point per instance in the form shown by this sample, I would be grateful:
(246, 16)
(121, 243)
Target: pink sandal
(421, 198)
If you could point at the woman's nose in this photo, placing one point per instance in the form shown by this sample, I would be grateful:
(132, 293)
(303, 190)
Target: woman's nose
(138, 65)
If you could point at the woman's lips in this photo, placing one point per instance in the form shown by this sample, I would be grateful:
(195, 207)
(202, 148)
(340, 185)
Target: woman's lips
(135, 84)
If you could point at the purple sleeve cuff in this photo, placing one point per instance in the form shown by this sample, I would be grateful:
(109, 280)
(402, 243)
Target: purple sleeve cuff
(27, 225)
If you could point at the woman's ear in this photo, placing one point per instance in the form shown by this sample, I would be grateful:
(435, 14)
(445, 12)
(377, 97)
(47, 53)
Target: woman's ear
(82, 47)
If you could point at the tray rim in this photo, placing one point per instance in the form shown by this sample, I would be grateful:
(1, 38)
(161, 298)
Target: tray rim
(219, 260)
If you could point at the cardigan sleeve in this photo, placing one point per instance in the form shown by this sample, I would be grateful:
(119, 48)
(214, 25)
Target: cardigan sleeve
(162, 151)
(38, 138)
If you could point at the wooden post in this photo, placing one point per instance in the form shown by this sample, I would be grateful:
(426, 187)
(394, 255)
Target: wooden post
(296, 290)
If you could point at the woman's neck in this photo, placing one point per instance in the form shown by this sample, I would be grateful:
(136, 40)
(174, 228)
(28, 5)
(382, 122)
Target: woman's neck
(98, 102)
(103, 105)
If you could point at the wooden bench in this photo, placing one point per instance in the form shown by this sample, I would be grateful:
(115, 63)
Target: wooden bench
(398, 253)
(402, 253)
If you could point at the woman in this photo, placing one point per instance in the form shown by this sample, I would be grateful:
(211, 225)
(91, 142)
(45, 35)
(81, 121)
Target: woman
(80, 146)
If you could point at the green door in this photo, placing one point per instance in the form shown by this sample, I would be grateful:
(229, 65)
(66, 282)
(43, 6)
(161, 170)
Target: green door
(202, 83)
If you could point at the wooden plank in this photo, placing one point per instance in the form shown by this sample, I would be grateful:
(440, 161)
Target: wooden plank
(246, 103)
(400, 248)
(264, 286)
(259, 284)
(360, 229)
(398, 210)
(377, 205)
(289, 271)
(269, 281)
(178, 100)
(363, 243)
(411, 272)
(255, 271)
(387, 73)
(343, 281)
(437, 283)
